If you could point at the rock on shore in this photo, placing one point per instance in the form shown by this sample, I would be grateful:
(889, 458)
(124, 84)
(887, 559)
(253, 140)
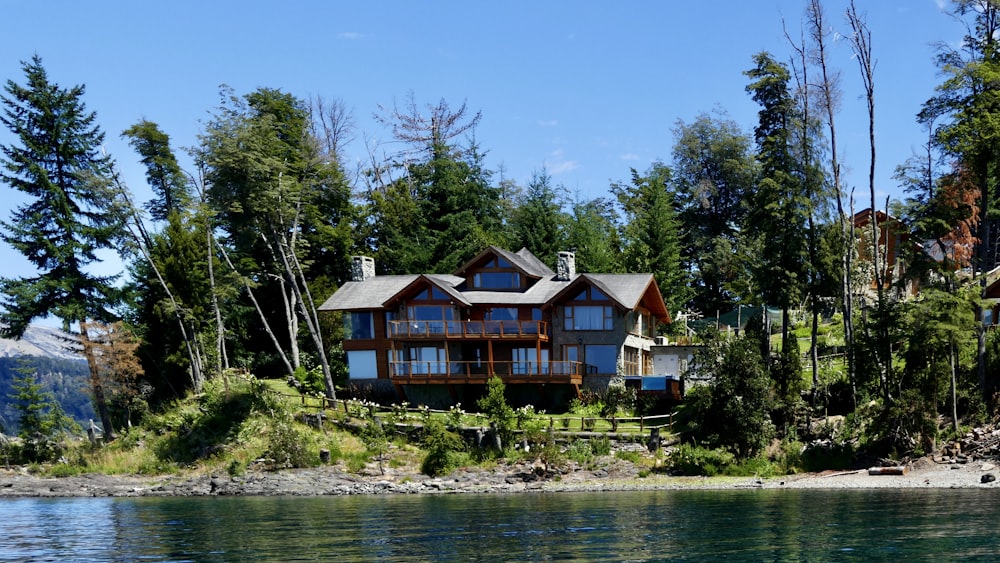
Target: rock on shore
(334, 480)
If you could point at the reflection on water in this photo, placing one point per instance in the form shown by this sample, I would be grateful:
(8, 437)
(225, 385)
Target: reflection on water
(648, 526)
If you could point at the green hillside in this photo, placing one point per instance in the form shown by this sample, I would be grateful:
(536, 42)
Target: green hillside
(65, 379)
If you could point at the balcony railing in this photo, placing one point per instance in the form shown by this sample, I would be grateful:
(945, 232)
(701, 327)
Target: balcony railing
(473, 372)
(469, 329)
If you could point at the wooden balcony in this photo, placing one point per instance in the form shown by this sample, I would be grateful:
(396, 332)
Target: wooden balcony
(479, 372)
(469, 330)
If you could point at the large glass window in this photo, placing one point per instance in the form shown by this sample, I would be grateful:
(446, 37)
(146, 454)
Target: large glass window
(496, 274)
(603, 357)
(430, 313)
(501, 318)
(631, 362)
(428, 360)
(640, 323)
(361, 364)
(502, 314)
(587, 317)
(526, 361)
(496, 280)
(359, 325)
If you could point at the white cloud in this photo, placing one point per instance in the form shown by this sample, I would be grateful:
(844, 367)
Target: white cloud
(350, 35)
(548, 123)
(561, 166)
(629, 156)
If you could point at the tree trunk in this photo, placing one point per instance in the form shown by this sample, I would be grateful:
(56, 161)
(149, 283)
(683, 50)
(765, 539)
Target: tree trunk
(222, 358)
(308, 309)
(828, 89)
(96, 385)
(142, 240)
(954, 392)
(260, 312)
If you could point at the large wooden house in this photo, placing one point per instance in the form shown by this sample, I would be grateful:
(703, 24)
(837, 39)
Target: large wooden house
(502, 313)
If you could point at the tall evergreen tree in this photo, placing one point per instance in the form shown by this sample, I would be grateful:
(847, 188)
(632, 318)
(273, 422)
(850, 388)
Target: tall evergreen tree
(164, 174)
(68, 218)
(779, 207)
(276, 197)
(592, 232)
(714, 173)
(651, 233)
(538, 222)
(458, 209)
(967, 109)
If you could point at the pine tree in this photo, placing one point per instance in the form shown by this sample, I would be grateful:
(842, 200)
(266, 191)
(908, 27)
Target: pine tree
(69, 215)
(538, 223)
(651, 233)
(779, 207)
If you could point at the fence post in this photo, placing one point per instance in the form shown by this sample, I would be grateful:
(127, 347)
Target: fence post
(642, 424)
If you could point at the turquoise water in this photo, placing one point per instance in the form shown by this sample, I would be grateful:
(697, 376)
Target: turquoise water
(771, 525)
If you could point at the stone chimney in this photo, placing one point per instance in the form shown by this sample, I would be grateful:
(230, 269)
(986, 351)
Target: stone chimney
(566, 267)
(362, 268)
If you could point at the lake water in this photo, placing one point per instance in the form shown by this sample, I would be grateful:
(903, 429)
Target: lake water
(793, 525)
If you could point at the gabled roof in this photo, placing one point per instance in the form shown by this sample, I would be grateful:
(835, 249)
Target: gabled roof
(368, 294)
(375, 292)
(522, 260)
(532, 261)
(443, 282)
(625, 290)
(864, 217)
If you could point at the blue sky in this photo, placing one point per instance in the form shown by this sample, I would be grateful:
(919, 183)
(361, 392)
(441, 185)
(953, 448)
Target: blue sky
(586, 89)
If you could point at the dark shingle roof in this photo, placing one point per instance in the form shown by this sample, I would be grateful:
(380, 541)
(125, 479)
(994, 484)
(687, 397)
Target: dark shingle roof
(627, 290)
(368, 294)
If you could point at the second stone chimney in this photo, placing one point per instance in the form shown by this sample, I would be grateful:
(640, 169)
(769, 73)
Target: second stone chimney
(566, 267)
(362, 268)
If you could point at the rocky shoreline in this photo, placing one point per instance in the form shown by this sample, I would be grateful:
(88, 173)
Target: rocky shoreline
(506, 479)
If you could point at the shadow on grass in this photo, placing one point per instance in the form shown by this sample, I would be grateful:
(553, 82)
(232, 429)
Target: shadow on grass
(205, 433)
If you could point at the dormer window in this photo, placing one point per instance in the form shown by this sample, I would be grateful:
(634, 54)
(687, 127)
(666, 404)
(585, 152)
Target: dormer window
(497, 274)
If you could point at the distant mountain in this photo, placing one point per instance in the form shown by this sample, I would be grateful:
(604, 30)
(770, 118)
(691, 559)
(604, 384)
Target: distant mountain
(42, 342)
(53, 355)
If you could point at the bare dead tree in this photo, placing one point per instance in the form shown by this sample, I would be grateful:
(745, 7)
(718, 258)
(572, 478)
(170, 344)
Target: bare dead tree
(861, 45)
(427, 132)
(333, 124)
(829, 102)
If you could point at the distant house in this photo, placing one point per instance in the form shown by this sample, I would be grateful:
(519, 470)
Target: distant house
(502, 313)
(892, 235)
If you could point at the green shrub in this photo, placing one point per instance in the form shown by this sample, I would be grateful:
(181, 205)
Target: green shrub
(580, 451)
(687, 459)
(444, 450)
(601, 445)
(500, 414)
(618, 399)
(65, 470)
(356, 461)
(376, 440)
(550, 454)
(236, 468)
(311, 380)
(758, 466)
(632, 457)
(286, 447)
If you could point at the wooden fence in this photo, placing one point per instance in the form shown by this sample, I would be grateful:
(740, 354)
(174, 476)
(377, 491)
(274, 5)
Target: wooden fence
(567, 423)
